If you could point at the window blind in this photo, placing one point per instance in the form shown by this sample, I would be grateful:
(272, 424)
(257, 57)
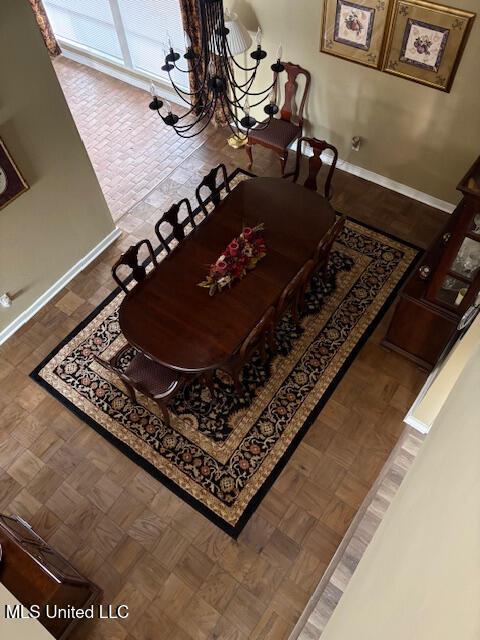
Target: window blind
(87, 23)
(134, 33)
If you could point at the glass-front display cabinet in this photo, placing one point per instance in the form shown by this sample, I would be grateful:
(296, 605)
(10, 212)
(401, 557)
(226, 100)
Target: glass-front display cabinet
(444, 286)
(457, 278)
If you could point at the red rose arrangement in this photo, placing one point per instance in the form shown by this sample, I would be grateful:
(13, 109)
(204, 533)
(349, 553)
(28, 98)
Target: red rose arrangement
(241, 255)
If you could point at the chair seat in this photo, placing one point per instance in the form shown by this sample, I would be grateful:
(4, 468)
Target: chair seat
(279, 133)
(151, 376)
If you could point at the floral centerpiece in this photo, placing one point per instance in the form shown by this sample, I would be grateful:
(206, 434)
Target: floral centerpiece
(241, 256)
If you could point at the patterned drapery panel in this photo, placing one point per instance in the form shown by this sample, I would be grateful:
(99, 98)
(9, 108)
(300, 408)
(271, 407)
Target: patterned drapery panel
(191, 24)
(45, 28)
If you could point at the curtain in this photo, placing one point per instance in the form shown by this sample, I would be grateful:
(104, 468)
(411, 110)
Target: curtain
(191, 24)
(45, 28)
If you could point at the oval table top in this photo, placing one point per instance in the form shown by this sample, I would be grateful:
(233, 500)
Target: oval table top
(176, 322)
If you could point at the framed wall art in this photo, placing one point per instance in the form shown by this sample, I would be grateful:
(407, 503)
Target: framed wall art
(355, 29)
(12, 183)
(426, 41)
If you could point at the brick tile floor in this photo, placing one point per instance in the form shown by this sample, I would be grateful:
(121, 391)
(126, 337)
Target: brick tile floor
(182, 577)
(129, 146)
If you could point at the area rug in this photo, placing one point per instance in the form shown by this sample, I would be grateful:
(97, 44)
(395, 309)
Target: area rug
(222, 453)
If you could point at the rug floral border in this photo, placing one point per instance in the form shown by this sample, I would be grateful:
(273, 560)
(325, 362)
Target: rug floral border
(252, 498)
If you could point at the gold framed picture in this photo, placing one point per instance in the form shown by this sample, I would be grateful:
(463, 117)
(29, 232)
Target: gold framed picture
(355, 29)
(12, 183)
(425, 42)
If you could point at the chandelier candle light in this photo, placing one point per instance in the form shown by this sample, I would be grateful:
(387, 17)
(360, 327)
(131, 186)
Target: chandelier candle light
(222, 38)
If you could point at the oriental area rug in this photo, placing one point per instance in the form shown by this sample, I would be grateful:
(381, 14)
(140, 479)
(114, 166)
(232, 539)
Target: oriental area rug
(221, 454)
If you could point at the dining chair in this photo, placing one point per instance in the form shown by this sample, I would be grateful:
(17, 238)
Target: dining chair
(172, 217)
(315, 163)
(279, 134)
(324, 249)
(147, 377)
(210, 182)
(129, 259)
(255, 341)
(293, 295)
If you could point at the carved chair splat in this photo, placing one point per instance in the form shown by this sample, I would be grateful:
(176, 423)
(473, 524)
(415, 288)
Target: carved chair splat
(210, 182)
(172, 218)
(130, 259)
(282, 131)
(315, 164)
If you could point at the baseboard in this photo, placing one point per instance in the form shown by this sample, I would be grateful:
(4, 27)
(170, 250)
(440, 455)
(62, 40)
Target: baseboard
(388, 183)
(125, 75)
(416, 424)
(410, 418)
(349, 534)
(58, 286)
(405, 190)
(143, 82)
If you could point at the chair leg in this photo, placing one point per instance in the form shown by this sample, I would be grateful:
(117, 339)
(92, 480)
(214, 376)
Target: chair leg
(130, 392)
(207, 380)
(294, 311)
(263, 349)
(323, 269)
(238, 385)
(248, 149)
(271, 340)
(301, 298)
(166, 414)
(320, 270)
(235, 374)
(283, 160)
(303, 295)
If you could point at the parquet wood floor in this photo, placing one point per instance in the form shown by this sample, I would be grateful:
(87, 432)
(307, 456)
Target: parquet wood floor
(181, 576)
(357, 539)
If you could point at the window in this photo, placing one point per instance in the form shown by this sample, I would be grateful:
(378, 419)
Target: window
(131, 33)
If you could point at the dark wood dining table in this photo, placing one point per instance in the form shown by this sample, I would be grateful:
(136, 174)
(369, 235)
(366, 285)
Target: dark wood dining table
(175, 322)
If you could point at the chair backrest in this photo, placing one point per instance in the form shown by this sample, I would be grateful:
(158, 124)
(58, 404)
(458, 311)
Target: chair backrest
(291, 87)
(324, 248)
(315, 164)
(210, 182)
(130, 259)
(172, 218)
(291, 293)
(253, 341)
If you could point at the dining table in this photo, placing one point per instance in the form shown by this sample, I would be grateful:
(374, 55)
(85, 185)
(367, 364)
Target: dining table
(176, 322)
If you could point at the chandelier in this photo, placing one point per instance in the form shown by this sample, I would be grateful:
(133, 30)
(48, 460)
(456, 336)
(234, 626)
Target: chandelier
(214, 88)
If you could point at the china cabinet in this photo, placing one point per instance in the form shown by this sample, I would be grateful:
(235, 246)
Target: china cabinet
(444, 286)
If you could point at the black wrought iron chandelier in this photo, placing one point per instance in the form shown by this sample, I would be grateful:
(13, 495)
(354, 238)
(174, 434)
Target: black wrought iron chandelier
(216, 87)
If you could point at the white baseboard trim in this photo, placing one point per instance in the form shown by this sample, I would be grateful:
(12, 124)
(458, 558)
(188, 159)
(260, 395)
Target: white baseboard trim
(388, 183)
(410, 418)
(416, 424)
(58, 286)
(143, 82)
(405, 190)
(125, 75)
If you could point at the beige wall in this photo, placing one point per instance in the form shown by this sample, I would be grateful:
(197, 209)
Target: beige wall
(419, 579)
(63, 216)
(416, 135)
(430, 405)
(18, 628)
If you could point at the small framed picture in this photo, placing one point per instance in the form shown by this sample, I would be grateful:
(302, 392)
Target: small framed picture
(426, 41)
(355, 29)
(12, 183)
